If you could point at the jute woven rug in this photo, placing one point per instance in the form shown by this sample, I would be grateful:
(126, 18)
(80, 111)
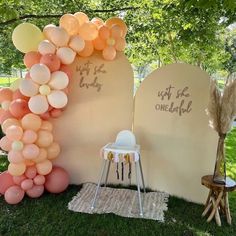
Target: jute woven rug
(122, 202)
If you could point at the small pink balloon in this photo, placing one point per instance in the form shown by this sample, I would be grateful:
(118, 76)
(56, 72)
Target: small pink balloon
(5, 144)
(51, 61)
(30, 151)
(67, 69)
(36, 191)
(14, 133)
(27, 184)
(18, 95)
(14, 195)
(29, 136)
(6, 181)
(39, 180)
(31, 58)
(45, 115)
(15, 157)
(55, 113)
(18, 179)
(31, 172)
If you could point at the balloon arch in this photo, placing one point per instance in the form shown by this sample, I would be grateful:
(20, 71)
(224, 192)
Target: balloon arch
(29, 103)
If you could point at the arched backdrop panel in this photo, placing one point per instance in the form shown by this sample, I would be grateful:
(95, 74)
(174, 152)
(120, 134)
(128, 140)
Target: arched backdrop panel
(100, 105)
(170, 123)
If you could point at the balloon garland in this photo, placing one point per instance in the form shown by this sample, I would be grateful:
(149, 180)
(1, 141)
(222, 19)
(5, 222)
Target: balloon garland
(29, 103)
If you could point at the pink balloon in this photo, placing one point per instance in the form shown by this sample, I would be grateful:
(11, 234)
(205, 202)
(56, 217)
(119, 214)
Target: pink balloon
(27, 184)
(29, 136)
(51, 61)
(6, 181)
(39, 180)
(5, 144)
(15, 157)
(36, 191)
(30, 151)
(18, 95)
(31, 58)
(5, 115)
(19, 108)
(14, 133)
(55, 113)
(5, 94)
(18, 179)
(67, 69)
(57, 181)
(14, 194)
(45, 116)
(31, 172)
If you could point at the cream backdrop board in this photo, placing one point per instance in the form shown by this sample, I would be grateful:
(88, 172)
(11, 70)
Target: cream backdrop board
(100, 105)
(171, 125)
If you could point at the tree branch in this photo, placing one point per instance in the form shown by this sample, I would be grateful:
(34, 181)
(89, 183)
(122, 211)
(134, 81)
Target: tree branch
(59, 15)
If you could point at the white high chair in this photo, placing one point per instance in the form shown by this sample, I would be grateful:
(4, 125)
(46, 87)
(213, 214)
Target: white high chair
(125, 144)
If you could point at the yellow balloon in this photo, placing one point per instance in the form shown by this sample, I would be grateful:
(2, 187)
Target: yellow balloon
(26, 37)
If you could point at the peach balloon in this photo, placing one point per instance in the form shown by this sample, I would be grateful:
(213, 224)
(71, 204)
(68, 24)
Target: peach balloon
(58, 36)
(17, 146)
(55, 113)
(88, 31)
(7, 123)
(44, 167)
(117, 21)
(67, 69)
(5, 144)
(14, 195)
(77, 43)
(30, 151)
(59, 80)
(51, 61)
(88, 49)
(31, 121)
(70, 23)
(42, 155)
(46, 47)
(99, 44)
(27, 184)
(14, 133)
(29, 162)
(48, 29)
(36, 191)
(39, 180)
(53, 151)
(16, 169)
(5, 94)
(120, 44)
(18, 95)
(31, 58)
(19, 108)
(18, 179)
(57, 99)
(109, 53)
(116, 31)
(66, 55)
(29, 136)
(28, 87)
(31, 172)
(81, 17)
(46, 125)
(97, 21)
(45, 138)
(38, 104)
(104, 32)
(4, 115)
(40, 73)
(15, 157)
(6, 181)
(45, 116)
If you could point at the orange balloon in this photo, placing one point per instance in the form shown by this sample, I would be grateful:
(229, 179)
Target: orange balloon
(117, 21)
(7, 123)
(81, 17)
(116, 31)
(19, 108)
(31, 58)
(44, 167)
(88, 49)
(88, 31)
(99, 44)
(45, 138)
(70, 23)
(46, 125)
(104, 32)
(53, 151)
(16, 169)
(120, 44)
(97, 21)
(42, 155)
(109, 53)
(31, 121)
(5, 94)
(29, 162)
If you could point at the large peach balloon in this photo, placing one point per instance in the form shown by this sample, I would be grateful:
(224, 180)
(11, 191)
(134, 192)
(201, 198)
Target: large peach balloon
(51, 61)
(46, 47)
(38, 104)
(58, 36)
(53, 151)
(14, 133)
(66, 55)
(88, 49)
(5, 144)
(14, 195)
(30, 151)
(29, 136)
(59, 80)
(6, 181)
(70, 23)
(44, 167)
(45, 138)
(5, 94)
(57, 181)
(16, 169)
(36, 191)
(57, 99)
(28, 88)
(31, 121)
(19, 108)
(42, 155)
(109, 53)
(7, 123)
(77, 43)
(46, 125)
(26, 37)
(31, 58)
(117, 21)
(81, 17)
(88, 31)
(40, 73)
(15, 157)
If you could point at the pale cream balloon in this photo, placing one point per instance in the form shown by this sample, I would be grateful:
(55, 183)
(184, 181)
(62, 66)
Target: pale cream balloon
(77, 43)
(38, 104)
(40, 73)
(57, 99)
(66, 55)
(59, 80)
(28, 88)
(46, 47)
(58, 36)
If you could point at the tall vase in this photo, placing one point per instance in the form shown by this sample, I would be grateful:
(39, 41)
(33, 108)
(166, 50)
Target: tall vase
(219, 175)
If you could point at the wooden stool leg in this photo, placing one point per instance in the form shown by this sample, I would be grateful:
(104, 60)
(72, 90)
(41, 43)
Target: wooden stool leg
(227, 211)
(208, 204)
(215, 205)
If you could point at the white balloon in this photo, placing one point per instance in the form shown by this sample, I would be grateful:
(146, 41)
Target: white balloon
(57, 35)
(46, 47)
(77, 43)
(59, 80)
(28, 88)
(40, 73)
(66, 55)
(38, 104)
(57, 99)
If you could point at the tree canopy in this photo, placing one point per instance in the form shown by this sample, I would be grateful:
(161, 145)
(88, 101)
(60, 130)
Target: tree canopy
(161, 31)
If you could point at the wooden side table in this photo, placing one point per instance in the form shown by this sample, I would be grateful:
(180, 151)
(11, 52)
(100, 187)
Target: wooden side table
(217, 200)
